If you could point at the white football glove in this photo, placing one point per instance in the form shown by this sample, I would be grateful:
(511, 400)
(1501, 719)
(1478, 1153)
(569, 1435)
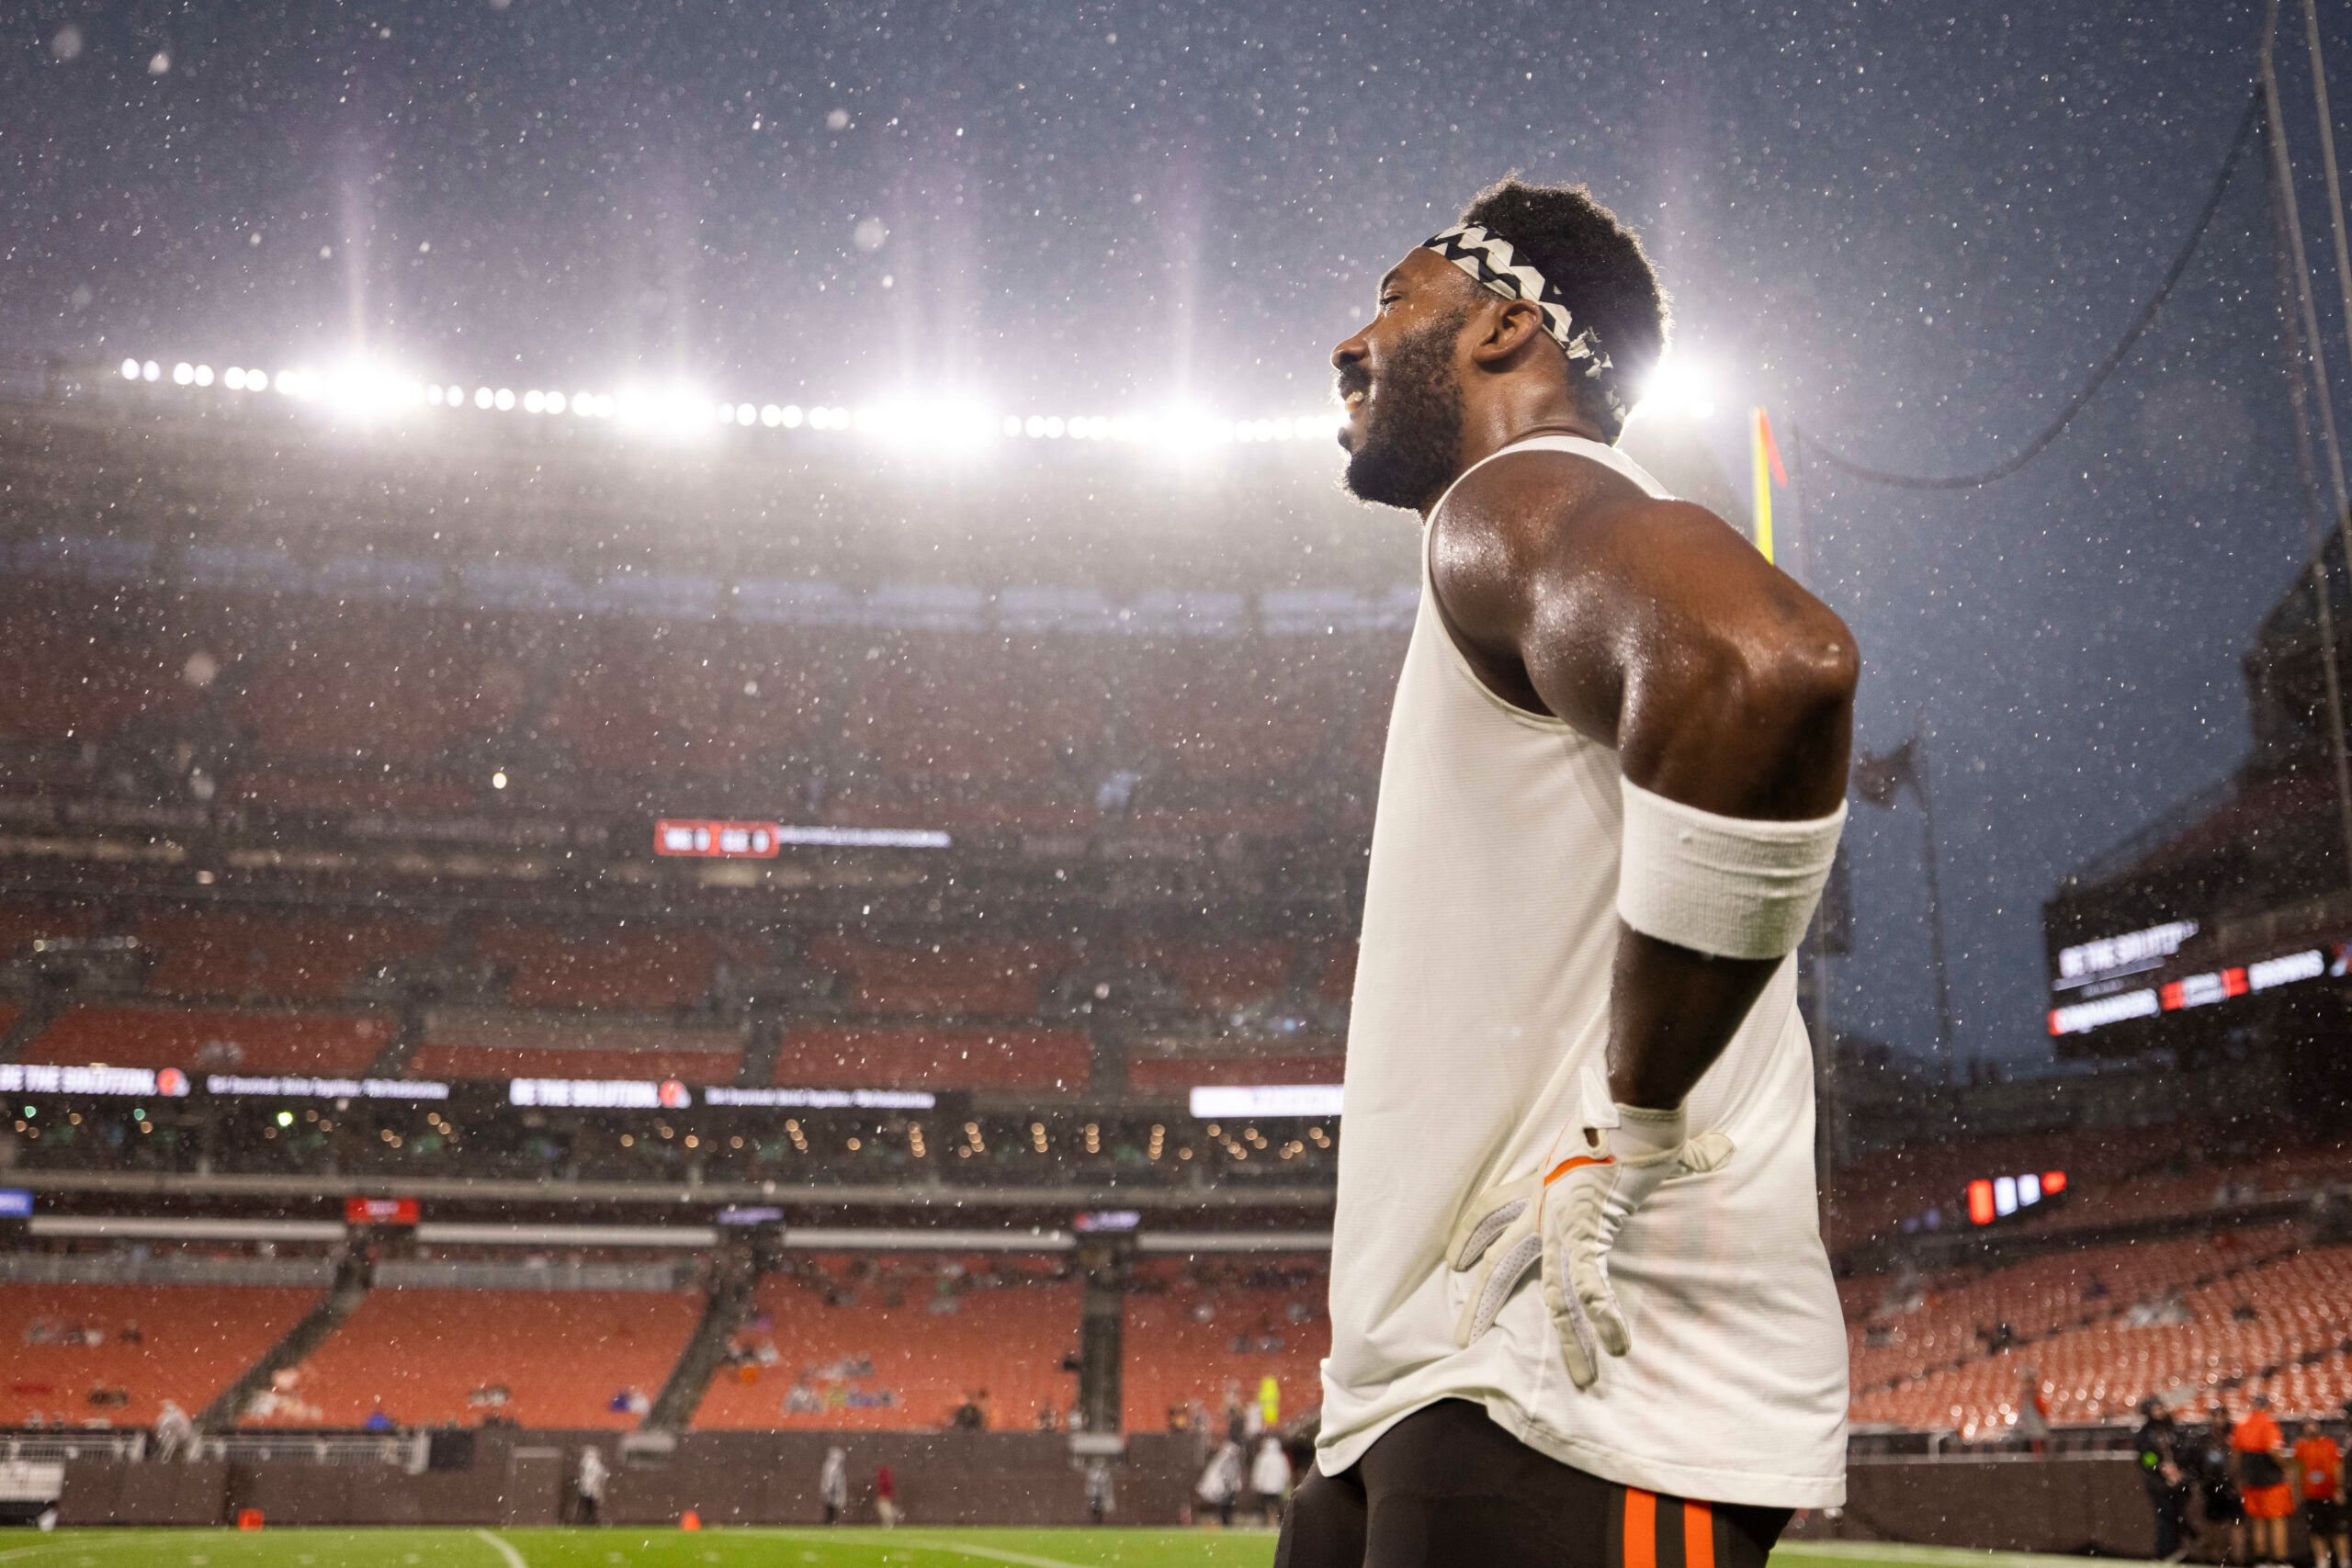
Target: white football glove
(1565, 1217)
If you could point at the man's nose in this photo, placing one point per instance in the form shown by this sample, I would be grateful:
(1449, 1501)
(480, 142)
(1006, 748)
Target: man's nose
(1347, 352)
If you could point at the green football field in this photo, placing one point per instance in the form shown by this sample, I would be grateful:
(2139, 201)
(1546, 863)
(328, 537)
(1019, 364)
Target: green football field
(848, 1548)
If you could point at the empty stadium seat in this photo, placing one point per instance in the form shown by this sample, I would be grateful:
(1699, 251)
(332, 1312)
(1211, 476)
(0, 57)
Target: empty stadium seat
(1173, 1074)
(844, 1056)
(184, 1343)
(432, 1357)
(214, 1040)
(643, 968)
(897, 1341)
(256, 956)
(1191, 1340)
(941, 979)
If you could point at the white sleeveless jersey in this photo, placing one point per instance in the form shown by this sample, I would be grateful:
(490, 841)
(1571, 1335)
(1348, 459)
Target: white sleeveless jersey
(1481, 997)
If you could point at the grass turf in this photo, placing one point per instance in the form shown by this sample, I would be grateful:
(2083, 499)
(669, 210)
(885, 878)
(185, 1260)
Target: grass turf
(845, 1548)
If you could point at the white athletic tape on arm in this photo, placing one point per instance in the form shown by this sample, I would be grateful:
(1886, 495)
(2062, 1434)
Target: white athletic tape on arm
(1733, 886)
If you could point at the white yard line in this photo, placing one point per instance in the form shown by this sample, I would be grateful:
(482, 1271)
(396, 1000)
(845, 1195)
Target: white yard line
(923, 1543)
(1929, 1556)
(504, 1548)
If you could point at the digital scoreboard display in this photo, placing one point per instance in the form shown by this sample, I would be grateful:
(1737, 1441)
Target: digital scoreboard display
(714, 839)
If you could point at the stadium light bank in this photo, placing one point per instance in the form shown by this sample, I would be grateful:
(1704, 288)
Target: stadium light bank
(361, 391)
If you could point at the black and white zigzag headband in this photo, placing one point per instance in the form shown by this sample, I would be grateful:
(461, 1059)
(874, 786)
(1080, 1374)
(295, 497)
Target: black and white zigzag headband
(1489, 257)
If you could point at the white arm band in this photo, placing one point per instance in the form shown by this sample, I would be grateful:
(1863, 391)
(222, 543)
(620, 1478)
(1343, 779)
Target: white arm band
(1733, 886)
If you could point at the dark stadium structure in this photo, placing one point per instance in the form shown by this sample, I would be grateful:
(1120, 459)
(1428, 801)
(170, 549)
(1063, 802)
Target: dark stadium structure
(516, 935)
(2219, 935)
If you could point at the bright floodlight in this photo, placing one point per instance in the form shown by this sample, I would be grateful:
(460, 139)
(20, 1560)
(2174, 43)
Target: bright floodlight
(204, 375)
(941, 423)
(1678, 389)
(362, 390)
(183, 373)
(150, 371)
(131, 370)
(1187, 432)
(233, 378)
(670, 410)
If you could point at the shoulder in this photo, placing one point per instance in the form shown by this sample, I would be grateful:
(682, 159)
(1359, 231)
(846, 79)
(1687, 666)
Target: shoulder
(1531, 526)
(1523, 506)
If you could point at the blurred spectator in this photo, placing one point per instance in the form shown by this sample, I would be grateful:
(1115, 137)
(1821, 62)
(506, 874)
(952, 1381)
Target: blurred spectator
(589, 1483)
(2158, 1446)
(1221, 1481)
(174, 1433)
(832, 1484)
(2261, 1451)
(2033, 1412)
(2217, 1483)
(885, 1497)
(1100, 1500)
(2320, 1464)
(377, 1421)
(1270, 1478)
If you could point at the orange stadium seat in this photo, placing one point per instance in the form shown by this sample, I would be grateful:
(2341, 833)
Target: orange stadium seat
(24, 921)
(965, 979)
(217, 1040)
(432, 1061)
(847, 1056)
(1205, 712)
(2258, 1305)
(961, 709)
(1221, 976)
(275, 957)
(642, 698)
(397, 684)
(1157, 1075)
(642, 967)
(495, 1043)
(430, 1357)
(1191, 1341)
(85, 661)
(185, 1343)
(896, 1344)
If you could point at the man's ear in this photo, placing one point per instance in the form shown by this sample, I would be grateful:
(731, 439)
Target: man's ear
(1511, 326)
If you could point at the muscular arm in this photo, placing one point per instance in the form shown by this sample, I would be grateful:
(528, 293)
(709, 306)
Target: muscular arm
(1653, 627)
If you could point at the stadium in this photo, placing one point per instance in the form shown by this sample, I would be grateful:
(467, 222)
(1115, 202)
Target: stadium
(615, 967)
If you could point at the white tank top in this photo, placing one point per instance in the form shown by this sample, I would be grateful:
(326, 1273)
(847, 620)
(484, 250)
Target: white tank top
(1481, 997)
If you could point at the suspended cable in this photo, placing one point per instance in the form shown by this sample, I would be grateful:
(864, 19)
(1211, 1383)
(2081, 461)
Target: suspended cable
(2106, 367)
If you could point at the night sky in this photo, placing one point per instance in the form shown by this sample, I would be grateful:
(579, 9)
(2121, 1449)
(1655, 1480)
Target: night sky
(1908, 228)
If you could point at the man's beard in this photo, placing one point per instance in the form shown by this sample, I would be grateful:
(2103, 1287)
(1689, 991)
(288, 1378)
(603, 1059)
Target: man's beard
(1411, 444)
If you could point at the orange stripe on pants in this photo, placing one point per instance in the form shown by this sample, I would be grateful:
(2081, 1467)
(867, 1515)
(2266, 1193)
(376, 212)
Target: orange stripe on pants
(1698, 1536)
(1641, 1528)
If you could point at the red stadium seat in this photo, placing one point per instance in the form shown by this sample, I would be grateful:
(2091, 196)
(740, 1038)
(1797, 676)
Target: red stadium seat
(846, 1056)
(215, 1040)
(896, 1342)
(274, 957)
(962, 980)
(1170, 1074)
(631, 967)
(1191, 1340)
(188, 1343)
(427, 1356)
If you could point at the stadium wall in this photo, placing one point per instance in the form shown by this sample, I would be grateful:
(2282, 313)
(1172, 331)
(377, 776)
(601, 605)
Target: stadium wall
(2090, 1504)
(747, 1478)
